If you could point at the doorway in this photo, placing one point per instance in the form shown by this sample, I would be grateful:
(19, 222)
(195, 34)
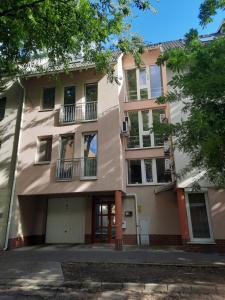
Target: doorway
(103, 222)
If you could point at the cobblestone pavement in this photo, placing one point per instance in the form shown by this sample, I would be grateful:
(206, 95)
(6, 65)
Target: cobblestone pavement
(35, 273)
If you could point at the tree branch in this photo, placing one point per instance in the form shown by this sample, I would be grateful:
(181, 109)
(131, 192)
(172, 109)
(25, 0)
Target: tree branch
(13, 11)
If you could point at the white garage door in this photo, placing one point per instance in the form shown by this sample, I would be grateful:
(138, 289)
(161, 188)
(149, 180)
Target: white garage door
(65, 220)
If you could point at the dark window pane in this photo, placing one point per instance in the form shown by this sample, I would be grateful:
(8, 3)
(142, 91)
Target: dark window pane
(133, 141)
(69, 95)
(199, 217)
(134, 171)
(132, 85)
(48, 98)
(158, 116)
(45, 149)
(148, 170)
(146, 140)
(155, 81)
(2, 108)
(91, 92)
(162, 174)
(145, 120)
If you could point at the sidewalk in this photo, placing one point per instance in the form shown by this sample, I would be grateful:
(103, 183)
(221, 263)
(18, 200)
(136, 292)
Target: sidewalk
(36, 272)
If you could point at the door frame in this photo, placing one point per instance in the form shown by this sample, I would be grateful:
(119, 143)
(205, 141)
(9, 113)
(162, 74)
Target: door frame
(192, 239)
(110, 239)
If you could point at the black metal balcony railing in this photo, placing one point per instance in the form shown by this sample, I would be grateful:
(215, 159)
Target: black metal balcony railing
(68, 169)
(75, 113)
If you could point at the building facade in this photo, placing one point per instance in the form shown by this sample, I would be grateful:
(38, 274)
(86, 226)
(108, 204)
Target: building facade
(91, 170)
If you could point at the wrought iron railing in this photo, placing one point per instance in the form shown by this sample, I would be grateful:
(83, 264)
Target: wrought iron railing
(75, 113)
(68, 169)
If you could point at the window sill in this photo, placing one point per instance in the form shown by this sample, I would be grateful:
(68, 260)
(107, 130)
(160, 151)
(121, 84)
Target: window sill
(42, 163)
(144, 148)
(45, 110)
(88, 178)
(148, 184)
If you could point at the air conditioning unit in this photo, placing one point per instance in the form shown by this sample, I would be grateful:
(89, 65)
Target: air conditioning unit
(162, 118)
(168, 165)
(125, 129)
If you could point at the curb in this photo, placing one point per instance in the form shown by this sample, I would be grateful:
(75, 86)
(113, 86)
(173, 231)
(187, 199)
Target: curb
(192, 265)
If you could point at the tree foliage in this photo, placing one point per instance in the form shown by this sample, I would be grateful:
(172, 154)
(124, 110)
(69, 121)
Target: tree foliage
(59, 29)
(199, 82)
(208, 9)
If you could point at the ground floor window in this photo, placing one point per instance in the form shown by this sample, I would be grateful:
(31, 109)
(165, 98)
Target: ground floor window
(148, 171)
(198, 217)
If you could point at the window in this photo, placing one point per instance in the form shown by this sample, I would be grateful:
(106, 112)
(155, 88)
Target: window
(148, 171)
(132, 85)
(69, 95)
(67, 147)
(134, 172)
(163, 171)
(44, 150)
(91, 92)
(140, 124)
(199, 223)
(90, 155)
(133, 141)
(144, 83)
(48, 98)
(2, 108)
(155, 81)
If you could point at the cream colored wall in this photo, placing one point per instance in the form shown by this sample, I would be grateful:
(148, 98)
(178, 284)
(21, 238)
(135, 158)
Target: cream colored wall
(160, 209)
(9, 132)
(217, 210)
(40, 179)
(129, 205)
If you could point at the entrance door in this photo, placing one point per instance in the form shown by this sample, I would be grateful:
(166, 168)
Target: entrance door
(104, 224)
(198, 217)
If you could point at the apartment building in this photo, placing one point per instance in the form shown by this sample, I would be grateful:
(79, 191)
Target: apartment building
(11, 97)
(91, 170)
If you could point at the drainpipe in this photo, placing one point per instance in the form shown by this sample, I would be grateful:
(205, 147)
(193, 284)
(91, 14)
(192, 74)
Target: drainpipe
(136, 216)
(15, 171)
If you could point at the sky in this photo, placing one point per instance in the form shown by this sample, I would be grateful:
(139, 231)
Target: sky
(173, 19)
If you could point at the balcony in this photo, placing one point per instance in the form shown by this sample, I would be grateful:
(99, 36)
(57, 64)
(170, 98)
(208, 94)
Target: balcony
(69, 169)
(77, 113)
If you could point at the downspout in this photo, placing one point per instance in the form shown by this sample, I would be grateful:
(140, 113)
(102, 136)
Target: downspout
(136, 216)
(15, 171)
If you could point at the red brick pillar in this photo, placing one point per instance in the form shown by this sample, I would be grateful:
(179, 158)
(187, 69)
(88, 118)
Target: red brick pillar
(118, 217)
(183, 216)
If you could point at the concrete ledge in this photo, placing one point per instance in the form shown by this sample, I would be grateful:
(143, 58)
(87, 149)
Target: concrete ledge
(27, 286)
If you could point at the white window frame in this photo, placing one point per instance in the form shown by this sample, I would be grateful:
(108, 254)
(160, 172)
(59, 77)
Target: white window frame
(143, 132)
(147, 68)
(209, 240)
(82, 177)
(143, 173)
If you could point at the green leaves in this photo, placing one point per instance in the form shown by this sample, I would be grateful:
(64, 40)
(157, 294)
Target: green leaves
(200, 84)
(208, 9)
(29, 28)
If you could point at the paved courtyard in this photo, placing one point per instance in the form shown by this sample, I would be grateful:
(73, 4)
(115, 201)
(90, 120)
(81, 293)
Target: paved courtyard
(36, 273)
